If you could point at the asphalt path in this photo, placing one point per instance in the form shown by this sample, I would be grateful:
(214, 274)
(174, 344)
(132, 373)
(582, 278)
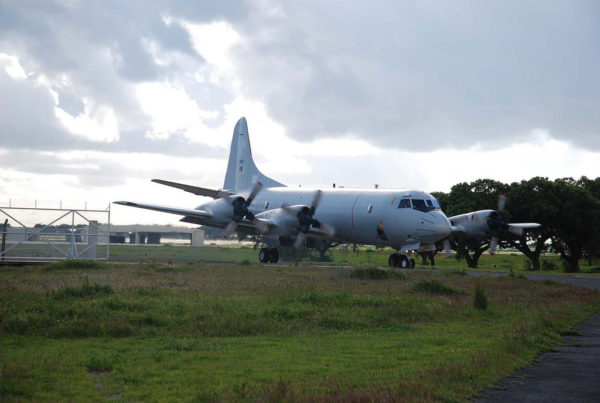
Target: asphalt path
(568, 373)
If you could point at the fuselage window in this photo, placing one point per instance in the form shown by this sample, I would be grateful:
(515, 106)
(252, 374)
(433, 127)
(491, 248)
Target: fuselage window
(370, 208)
(266, 205)
(404, 203)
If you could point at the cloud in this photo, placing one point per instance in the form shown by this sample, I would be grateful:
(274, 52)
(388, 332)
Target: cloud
(426, 75)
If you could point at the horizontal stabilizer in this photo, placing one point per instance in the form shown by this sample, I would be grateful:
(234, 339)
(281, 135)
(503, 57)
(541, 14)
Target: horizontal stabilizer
(165, 209)
(192, 189)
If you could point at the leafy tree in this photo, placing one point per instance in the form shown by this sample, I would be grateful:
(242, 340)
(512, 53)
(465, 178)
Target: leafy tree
(465, 197)
(533, 200)
(576, 222)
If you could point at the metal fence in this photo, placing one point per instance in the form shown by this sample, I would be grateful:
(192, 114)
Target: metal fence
(33, 234)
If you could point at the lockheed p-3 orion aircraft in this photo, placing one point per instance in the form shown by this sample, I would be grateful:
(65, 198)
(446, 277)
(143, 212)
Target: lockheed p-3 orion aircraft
(252, 203)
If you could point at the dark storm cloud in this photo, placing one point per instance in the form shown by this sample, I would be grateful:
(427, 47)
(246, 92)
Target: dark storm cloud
(428, 74)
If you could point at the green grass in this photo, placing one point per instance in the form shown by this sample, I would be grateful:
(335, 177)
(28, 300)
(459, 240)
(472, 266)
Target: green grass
(197, 332)
(340, 256)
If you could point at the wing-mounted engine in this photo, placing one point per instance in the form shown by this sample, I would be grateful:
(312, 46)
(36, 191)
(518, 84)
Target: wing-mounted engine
(298, 220)
(487, 223)
(237, 210)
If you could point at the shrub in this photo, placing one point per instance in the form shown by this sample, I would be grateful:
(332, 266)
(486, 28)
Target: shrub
(548, 265)
(527, 265)
(480, 300)
(435, 287)
(84, 290)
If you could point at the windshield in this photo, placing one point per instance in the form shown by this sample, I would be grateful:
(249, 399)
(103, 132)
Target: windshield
(425, 204)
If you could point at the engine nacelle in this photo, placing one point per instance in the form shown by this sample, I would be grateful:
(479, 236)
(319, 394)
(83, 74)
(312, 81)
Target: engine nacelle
(474, 224)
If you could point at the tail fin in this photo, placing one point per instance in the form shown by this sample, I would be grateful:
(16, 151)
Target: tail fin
(241, 171)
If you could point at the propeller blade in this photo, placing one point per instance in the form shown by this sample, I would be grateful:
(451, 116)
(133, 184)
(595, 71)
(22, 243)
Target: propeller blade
(446, 245)
(260, 226)
(315, 201)
(257, 187)
(229, 229)
(501, 202)
(221, 194)
(299, 242)
(493, 245)
(327, 230)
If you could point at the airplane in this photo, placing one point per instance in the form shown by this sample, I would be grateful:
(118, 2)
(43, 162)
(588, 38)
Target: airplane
(407, 220)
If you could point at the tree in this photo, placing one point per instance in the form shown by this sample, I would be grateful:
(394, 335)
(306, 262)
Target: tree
(465, 197)
(577, 222)
(592, 249)
(533, 201)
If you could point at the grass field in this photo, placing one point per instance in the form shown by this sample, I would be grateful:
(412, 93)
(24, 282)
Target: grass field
(195, 331)
(504, 261)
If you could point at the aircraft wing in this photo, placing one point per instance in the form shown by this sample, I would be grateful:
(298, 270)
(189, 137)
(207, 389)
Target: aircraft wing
(166, 209)
(215, 194)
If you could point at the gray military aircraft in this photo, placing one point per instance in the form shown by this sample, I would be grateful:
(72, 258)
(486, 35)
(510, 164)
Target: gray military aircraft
(252, 203)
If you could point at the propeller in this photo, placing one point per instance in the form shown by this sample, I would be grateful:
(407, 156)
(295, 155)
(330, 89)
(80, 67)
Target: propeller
(446, 246)
(306, 220)
(496, 223)
(241, 210)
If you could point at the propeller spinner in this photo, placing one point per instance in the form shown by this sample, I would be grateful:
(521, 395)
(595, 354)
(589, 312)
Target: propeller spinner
(241, 210)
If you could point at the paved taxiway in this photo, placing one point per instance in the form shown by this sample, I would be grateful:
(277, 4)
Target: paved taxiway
(569, 373)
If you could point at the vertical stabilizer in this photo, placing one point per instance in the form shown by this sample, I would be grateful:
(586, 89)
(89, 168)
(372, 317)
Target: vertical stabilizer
(241, 171)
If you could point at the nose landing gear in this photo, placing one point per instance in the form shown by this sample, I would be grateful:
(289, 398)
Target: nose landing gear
(268, 255)
(401, 261)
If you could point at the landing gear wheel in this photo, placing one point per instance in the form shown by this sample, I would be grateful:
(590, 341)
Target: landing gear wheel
(394, 260)
(273, 255)
(263, 255)
(404, 263)
(412, 263)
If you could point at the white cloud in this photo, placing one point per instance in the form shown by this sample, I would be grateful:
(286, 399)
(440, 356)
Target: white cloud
(12, 66)
(96, 123)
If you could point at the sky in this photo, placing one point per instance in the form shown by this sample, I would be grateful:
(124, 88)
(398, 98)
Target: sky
(99, 97)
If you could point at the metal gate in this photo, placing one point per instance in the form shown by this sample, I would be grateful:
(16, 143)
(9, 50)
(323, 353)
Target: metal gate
(48, 234)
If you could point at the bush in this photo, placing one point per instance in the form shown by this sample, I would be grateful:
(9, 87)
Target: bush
(480, 300)
(84, 290)
(527, 265)
(548, 265)
(435, 287)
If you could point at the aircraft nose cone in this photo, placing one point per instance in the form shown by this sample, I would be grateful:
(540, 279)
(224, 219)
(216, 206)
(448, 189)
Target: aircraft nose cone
(442, 225)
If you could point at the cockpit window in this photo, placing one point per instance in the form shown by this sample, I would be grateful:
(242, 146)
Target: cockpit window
(419, 204)
(425, 205)
(436, 204)
(404, 203)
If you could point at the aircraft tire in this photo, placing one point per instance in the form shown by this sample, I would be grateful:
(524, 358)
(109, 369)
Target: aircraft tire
(404, 262)
(412, 263)
(273, 255)
(263, 255)
(394, 260)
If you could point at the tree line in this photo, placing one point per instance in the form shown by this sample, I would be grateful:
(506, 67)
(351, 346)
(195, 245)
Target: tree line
(568, 209)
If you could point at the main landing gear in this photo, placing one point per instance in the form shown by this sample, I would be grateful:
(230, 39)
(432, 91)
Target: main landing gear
(268, 255)
(401, 261)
